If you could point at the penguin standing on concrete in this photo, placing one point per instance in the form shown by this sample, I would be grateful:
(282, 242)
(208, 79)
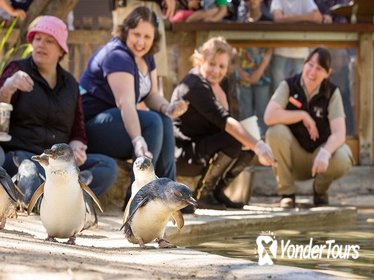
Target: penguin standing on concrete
(152, 207)
(8, 197)
(62, 209)
(144, 173)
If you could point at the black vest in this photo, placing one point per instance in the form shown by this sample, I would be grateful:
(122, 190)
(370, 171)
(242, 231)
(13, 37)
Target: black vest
(317, 108)
(44, 116)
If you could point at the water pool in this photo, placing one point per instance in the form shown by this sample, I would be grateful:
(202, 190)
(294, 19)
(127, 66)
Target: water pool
(243, 245)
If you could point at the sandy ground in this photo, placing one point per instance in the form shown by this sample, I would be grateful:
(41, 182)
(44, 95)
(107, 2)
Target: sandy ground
(103, 253)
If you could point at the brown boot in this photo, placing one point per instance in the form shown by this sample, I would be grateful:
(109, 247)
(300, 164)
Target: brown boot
(229, 176)
(208, 182)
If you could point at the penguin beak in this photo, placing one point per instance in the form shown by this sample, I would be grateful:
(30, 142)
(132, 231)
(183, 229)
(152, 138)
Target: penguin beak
(49, 153)
(42, 159)
(191, 201)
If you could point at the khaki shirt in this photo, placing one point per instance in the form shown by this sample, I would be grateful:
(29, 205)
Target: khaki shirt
(335, 108)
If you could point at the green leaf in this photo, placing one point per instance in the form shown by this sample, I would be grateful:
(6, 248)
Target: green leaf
(13, 53)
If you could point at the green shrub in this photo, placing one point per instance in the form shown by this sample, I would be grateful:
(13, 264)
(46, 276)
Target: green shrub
(7, 55)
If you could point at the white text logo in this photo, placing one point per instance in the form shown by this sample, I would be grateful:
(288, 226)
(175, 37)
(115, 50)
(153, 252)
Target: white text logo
(267, 247)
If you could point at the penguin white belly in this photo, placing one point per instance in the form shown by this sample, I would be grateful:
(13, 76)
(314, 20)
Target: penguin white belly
(149, 221)
(4, 201)
(62, 209)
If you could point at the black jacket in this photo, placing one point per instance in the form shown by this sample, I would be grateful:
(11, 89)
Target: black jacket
(44, 116)
(317, 108)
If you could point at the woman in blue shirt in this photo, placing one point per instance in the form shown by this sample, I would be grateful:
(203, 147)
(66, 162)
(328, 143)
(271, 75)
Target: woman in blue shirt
(117, 78)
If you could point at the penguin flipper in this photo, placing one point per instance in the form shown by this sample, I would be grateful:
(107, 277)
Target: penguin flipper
(133, 210)
(127, 209)
(178, 219)
(91, 194)
(7, 184)
(37, 194)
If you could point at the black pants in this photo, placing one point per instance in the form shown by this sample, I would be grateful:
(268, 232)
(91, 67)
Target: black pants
(194, 156)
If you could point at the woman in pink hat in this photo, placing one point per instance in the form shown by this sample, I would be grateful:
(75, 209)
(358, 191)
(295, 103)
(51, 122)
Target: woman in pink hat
(47, 106)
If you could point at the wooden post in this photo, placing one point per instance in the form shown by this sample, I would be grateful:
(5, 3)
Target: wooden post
(185, 46)
(365, 127)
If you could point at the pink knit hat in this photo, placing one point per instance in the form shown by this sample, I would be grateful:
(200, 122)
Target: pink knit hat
(52, 26)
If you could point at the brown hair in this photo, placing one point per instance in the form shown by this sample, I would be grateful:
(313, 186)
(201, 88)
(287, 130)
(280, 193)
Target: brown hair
(324, 60)
(132, 21)
(212, 47)
(324, 57)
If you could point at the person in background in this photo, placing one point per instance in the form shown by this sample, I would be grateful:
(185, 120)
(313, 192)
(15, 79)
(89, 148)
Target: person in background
(327, 16)
(307, 130)
(287, 62)
(118, 77)
(14, 8)
(210, 142)
(254, 82)
(185, 9)
(47, 106)
(265, 8)
(211, 11)
(341, 61)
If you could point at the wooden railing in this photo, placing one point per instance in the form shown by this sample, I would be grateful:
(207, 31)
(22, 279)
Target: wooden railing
(187, 36)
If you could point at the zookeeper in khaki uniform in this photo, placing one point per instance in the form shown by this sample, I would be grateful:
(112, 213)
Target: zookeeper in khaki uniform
(307, 130)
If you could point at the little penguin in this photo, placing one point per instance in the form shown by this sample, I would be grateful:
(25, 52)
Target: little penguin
(62, 209)
(152, 207)
(28, 180)
(144, 173)
(8, 197)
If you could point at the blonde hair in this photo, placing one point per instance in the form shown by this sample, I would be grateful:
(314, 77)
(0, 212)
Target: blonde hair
(212, 47)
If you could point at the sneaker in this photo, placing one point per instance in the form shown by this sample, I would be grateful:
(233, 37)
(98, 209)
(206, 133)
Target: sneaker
(287, 201)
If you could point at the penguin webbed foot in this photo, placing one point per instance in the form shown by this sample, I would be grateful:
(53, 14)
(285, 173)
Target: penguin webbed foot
(21, 206)
(142, 244)
(51, 239)
(11, 212)
(164, 244)
(2, 222)
(71, 240)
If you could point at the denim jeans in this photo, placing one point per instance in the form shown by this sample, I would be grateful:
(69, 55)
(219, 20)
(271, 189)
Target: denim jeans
(2, 156)
(253, 101)
(103, 169)
(284, 67)
(107, 135)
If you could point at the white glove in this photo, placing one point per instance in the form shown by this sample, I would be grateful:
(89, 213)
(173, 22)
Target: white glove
(140, 147)
(321, 162)
(264, 153)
